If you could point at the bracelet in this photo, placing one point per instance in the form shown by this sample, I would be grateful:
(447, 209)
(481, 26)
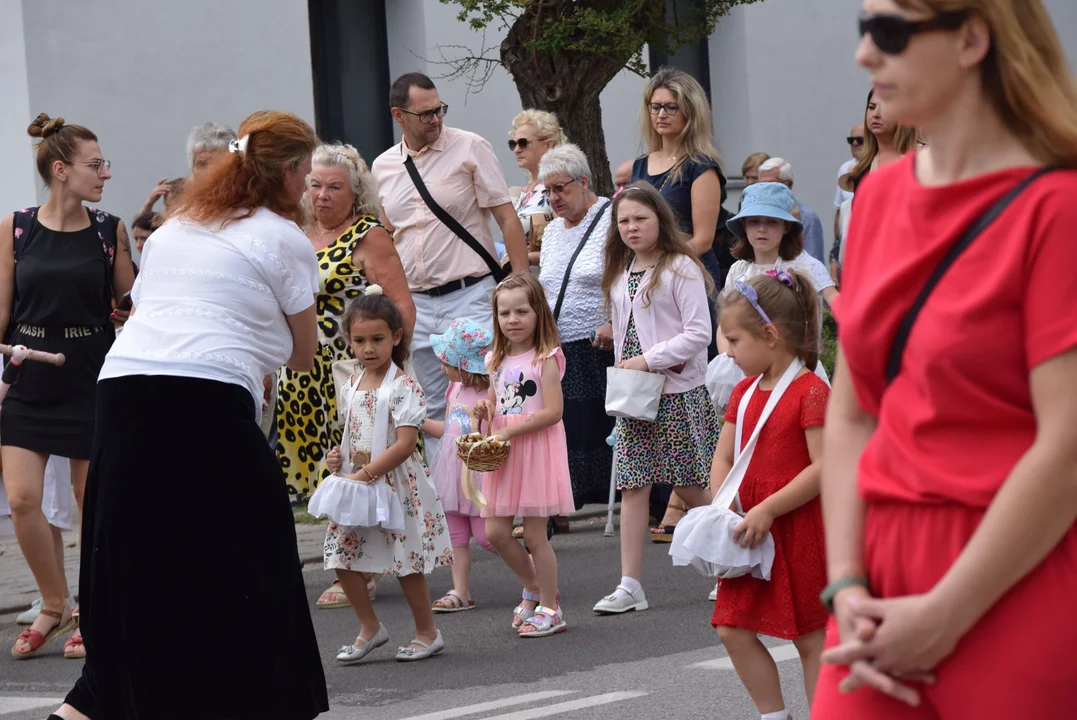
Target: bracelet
(831, 591)
(372, 476)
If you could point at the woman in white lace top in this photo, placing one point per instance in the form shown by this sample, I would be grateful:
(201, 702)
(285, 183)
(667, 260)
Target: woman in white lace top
(586, 335)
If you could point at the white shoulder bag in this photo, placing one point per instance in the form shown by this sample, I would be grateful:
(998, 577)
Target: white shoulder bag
(704, 537)
(354, 503)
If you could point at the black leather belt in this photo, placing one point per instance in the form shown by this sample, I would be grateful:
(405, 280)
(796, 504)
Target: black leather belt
(453, 286)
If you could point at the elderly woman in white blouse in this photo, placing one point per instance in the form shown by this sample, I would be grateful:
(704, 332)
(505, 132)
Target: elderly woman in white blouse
(571, 263)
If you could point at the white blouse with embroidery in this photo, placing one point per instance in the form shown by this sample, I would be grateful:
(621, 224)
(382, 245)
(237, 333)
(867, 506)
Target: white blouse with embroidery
(212, 303)
(584, 306)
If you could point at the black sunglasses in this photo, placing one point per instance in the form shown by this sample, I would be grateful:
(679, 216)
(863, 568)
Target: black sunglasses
(892, 33)
(855, 139)
(522, 143)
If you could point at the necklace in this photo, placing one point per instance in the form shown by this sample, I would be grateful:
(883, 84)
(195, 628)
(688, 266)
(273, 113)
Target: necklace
(333, 230)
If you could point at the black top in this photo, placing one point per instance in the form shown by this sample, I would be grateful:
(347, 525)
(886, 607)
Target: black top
(679, 194)
(62, 279)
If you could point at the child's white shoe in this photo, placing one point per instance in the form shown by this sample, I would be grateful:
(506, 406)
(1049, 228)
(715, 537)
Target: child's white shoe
(349, 654)
(713, 597)
(622, 600)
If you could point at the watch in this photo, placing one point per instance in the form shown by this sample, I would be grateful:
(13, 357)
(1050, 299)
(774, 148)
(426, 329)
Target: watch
(831, 591)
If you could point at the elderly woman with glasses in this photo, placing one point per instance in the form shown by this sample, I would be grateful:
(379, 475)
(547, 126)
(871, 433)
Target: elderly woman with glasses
(571, 264)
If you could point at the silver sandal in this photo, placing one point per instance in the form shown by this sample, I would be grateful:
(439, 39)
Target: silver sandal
(410, 654)
(349, 654)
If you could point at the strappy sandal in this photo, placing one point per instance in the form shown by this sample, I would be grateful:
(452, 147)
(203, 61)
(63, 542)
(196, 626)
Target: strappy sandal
(36, 640)
(74, 648)
(520, 614)
(545, 622)
(452, 602)
(334, 597)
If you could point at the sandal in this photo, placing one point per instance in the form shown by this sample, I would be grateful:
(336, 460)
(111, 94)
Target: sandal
(74, 648)
(520, 614)
(36, 640)
(452, 602)
(662, 533)
(544, 622)
(334, 597)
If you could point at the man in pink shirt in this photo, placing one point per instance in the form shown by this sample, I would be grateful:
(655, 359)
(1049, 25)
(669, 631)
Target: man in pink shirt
(451, 267)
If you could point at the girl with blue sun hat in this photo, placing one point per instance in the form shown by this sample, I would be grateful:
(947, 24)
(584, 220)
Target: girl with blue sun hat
(462, 350)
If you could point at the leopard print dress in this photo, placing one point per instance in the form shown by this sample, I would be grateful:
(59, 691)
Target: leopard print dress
(307, 402)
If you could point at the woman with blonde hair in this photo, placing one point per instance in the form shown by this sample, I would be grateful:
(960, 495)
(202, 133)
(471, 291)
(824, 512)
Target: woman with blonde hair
(749, 170)
(533, 134)
(354, 251)
(950, 480)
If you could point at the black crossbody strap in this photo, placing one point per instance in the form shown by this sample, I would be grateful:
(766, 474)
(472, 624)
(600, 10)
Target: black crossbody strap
(897, 349)
(450, 222)
(572, 261)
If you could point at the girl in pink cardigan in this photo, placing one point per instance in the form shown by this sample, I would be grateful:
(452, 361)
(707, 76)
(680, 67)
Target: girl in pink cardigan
(657, 293)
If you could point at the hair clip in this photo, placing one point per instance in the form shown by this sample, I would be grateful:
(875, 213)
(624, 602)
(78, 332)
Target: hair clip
(753, 297)
(240, 146)
(783, 277)
(373, 290)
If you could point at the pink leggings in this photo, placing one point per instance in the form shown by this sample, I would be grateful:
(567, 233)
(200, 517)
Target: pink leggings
(463, 527)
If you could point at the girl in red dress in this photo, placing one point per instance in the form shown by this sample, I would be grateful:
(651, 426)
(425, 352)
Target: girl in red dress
(769, 322)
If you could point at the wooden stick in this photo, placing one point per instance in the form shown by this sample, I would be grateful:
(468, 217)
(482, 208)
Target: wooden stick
(56, 359)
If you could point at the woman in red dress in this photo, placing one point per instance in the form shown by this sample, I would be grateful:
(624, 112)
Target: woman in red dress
(770, 323)
(950, 486)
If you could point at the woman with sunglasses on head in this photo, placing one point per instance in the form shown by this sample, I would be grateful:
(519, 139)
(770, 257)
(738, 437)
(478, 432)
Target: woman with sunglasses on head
(534, 133)
(950, 486)
(61, 267)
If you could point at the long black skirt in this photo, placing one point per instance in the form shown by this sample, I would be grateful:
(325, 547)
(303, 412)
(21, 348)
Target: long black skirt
(191, 589)
(587, 425)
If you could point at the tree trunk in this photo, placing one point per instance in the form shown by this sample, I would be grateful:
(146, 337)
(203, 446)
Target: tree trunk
(567, 84)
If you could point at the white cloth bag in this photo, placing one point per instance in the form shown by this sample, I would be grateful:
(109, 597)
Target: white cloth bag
(354, 503)
(633, 394)
(704, 537)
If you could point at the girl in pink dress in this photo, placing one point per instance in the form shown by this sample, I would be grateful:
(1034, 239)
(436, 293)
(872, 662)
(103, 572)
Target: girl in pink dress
(525, 403)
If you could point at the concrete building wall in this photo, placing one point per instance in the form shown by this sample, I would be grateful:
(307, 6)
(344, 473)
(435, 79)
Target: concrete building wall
(19, 178)
(142, 74)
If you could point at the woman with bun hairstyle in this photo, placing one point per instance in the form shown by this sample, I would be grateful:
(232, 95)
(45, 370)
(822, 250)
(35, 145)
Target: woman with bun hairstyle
(225, 297)
(61, 267)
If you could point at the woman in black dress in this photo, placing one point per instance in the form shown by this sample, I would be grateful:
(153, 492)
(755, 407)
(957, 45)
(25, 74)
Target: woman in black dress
(61, 267)
(225, 296)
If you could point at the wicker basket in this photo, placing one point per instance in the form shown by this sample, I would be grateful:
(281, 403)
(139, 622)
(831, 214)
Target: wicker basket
(481, 455)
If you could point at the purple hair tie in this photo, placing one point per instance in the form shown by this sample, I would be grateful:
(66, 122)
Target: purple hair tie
(783, 277)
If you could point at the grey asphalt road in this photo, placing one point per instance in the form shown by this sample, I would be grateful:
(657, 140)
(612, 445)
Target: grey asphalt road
(664, 662)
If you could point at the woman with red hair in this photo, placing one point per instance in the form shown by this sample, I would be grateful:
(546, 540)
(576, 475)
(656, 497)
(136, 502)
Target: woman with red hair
(225, 296)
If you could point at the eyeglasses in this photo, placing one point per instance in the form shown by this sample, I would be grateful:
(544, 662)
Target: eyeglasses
(855, 139)
(752, 297)
(670, 108)
(522, 143)
(99, 166)
(892, 33)
(427, 116)
(559, 188)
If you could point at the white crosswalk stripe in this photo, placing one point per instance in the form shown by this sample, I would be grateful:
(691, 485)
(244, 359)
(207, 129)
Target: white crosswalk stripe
(569, 706)
(10, 705)
(780, 653)
(491, 705)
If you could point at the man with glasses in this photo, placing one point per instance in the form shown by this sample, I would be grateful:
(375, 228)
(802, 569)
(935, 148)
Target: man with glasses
(438, 189)
(856, 147)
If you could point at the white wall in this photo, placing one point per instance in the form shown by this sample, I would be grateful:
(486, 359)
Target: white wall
(18, 180)
(418, 27)
(141, 75)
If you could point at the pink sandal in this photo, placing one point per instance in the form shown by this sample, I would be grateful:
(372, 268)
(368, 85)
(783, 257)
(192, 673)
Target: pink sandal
(36, 640)
(545, 622)
(453, 602)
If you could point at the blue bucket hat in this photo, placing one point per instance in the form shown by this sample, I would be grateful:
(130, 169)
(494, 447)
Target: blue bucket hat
(463, 346)
(765, 199)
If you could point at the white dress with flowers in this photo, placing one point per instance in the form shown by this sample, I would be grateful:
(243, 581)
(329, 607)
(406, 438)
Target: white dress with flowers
(424, 544)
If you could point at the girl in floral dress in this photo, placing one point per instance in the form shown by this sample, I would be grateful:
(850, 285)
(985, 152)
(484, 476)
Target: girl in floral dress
(375, 329)
(657, 292)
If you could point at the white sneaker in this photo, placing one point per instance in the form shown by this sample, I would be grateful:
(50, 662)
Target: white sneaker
(621, 602)
(713, 597)
(28, 617)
